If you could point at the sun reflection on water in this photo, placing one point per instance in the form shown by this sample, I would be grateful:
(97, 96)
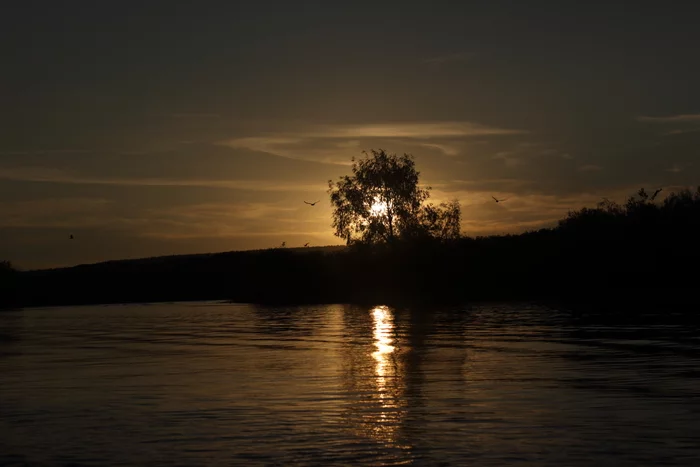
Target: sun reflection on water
(383, 330)
(375, 377)
(387, 379)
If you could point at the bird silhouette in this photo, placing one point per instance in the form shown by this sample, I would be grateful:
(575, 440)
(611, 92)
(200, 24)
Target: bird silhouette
(284, 244)
(498, 200)
(306, 244)
(656, 193)
(312, 204)
(71, 237)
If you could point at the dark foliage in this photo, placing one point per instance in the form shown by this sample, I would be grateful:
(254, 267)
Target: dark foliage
(382, 202)
(8, 284)
(641, 251)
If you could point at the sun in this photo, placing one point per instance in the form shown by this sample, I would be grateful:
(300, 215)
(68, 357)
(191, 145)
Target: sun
(378, 207)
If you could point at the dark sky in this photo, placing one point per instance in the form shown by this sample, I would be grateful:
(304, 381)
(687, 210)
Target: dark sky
(150, 128)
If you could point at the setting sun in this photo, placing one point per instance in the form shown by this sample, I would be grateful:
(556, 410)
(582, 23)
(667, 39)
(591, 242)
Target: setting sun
(378, 207)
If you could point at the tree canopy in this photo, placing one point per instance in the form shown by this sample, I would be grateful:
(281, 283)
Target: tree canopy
(382, 201)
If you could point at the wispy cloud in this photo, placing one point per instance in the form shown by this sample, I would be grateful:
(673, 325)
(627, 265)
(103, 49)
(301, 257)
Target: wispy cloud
(451, 58)
(681, 131)
(298, 148)
(675, 168)
(39, 152)
(336, 144)
(54, 212)
(445, 148)
(685, 123)
(444, 190)
(682, 118)
(194, 115)
(348, 144)
(522, 210)
(509, 158)
(49, 175)
(209, 220)
(203, 220)
(416, 130)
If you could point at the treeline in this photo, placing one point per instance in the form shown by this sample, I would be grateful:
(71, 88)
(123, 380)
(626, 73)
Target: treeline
(641, 251)
(9, 285)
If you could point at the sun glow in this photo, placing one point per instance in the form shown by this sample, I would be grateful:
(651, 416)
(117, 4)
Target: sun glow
(378, 207)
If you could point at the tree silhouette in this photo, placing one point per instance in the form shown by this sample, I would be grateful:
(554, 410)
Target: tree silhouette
(382, 201)
(441, 222)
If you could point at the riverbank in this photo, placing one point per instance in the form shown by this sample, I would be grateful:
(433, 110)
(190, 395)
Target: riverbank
(428, 274)
(637, 254)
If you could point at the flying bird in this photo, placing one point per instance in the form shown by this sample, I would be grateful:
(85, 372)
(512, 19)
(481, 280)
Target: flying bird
(499, 200)
(284, 244)
(656, 193)
(312, 204)
(306, 244)
(71, 237)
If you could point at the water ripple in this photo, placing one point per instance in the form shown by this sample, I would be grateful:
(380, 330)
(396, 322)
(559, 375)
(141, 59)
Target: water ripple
(227, 384)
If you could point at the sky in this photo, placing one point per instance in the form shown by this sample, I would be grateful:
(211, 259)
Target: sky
(158, 128)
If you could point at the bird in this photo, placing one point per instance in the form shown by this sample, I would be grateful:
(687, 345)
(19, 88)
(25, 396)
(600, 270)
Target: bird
(306, 244)
(656, 193)
(498, 200)
(312, 204)
(284, 244)
(71, 237)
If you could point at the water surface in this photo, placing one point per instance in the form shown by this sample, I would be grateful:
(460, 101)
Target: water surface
(223, 384)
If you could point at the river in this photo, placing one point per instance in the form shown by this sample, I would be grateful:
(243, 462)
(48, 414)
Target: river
(232, 384)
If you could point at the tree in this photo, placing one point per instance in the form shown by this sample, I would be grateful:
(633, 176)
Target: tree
(382, 202)
(442, 222)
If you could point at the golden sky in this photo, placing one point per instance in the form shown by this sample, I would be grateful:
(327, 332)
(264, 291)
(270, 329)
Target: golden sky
(175, 127)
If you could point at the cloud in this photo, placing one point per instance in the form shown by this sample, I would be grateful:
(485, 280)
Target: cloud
(63, 212)
(226, 211)
(49, 175)
(681, 131)
(348, 144)
(682, 118)
(590, 168)
(336, 144)
(189, 221)
(227, 220)
(521, 211)
(298, 148)
(511, 183)
(450, 58)
(41, 152)
(675, 168)
(416, 130)
(447, 149)
(194, 115)
(688, 123)
(509, 158)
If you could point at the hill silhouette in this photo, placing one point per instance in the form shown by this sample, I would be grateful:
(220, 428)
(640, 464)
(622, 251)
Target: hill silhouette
(643, 251)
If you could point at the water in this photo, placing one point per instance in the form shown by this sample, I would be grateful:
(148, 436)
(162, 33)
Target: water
(221, 384)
